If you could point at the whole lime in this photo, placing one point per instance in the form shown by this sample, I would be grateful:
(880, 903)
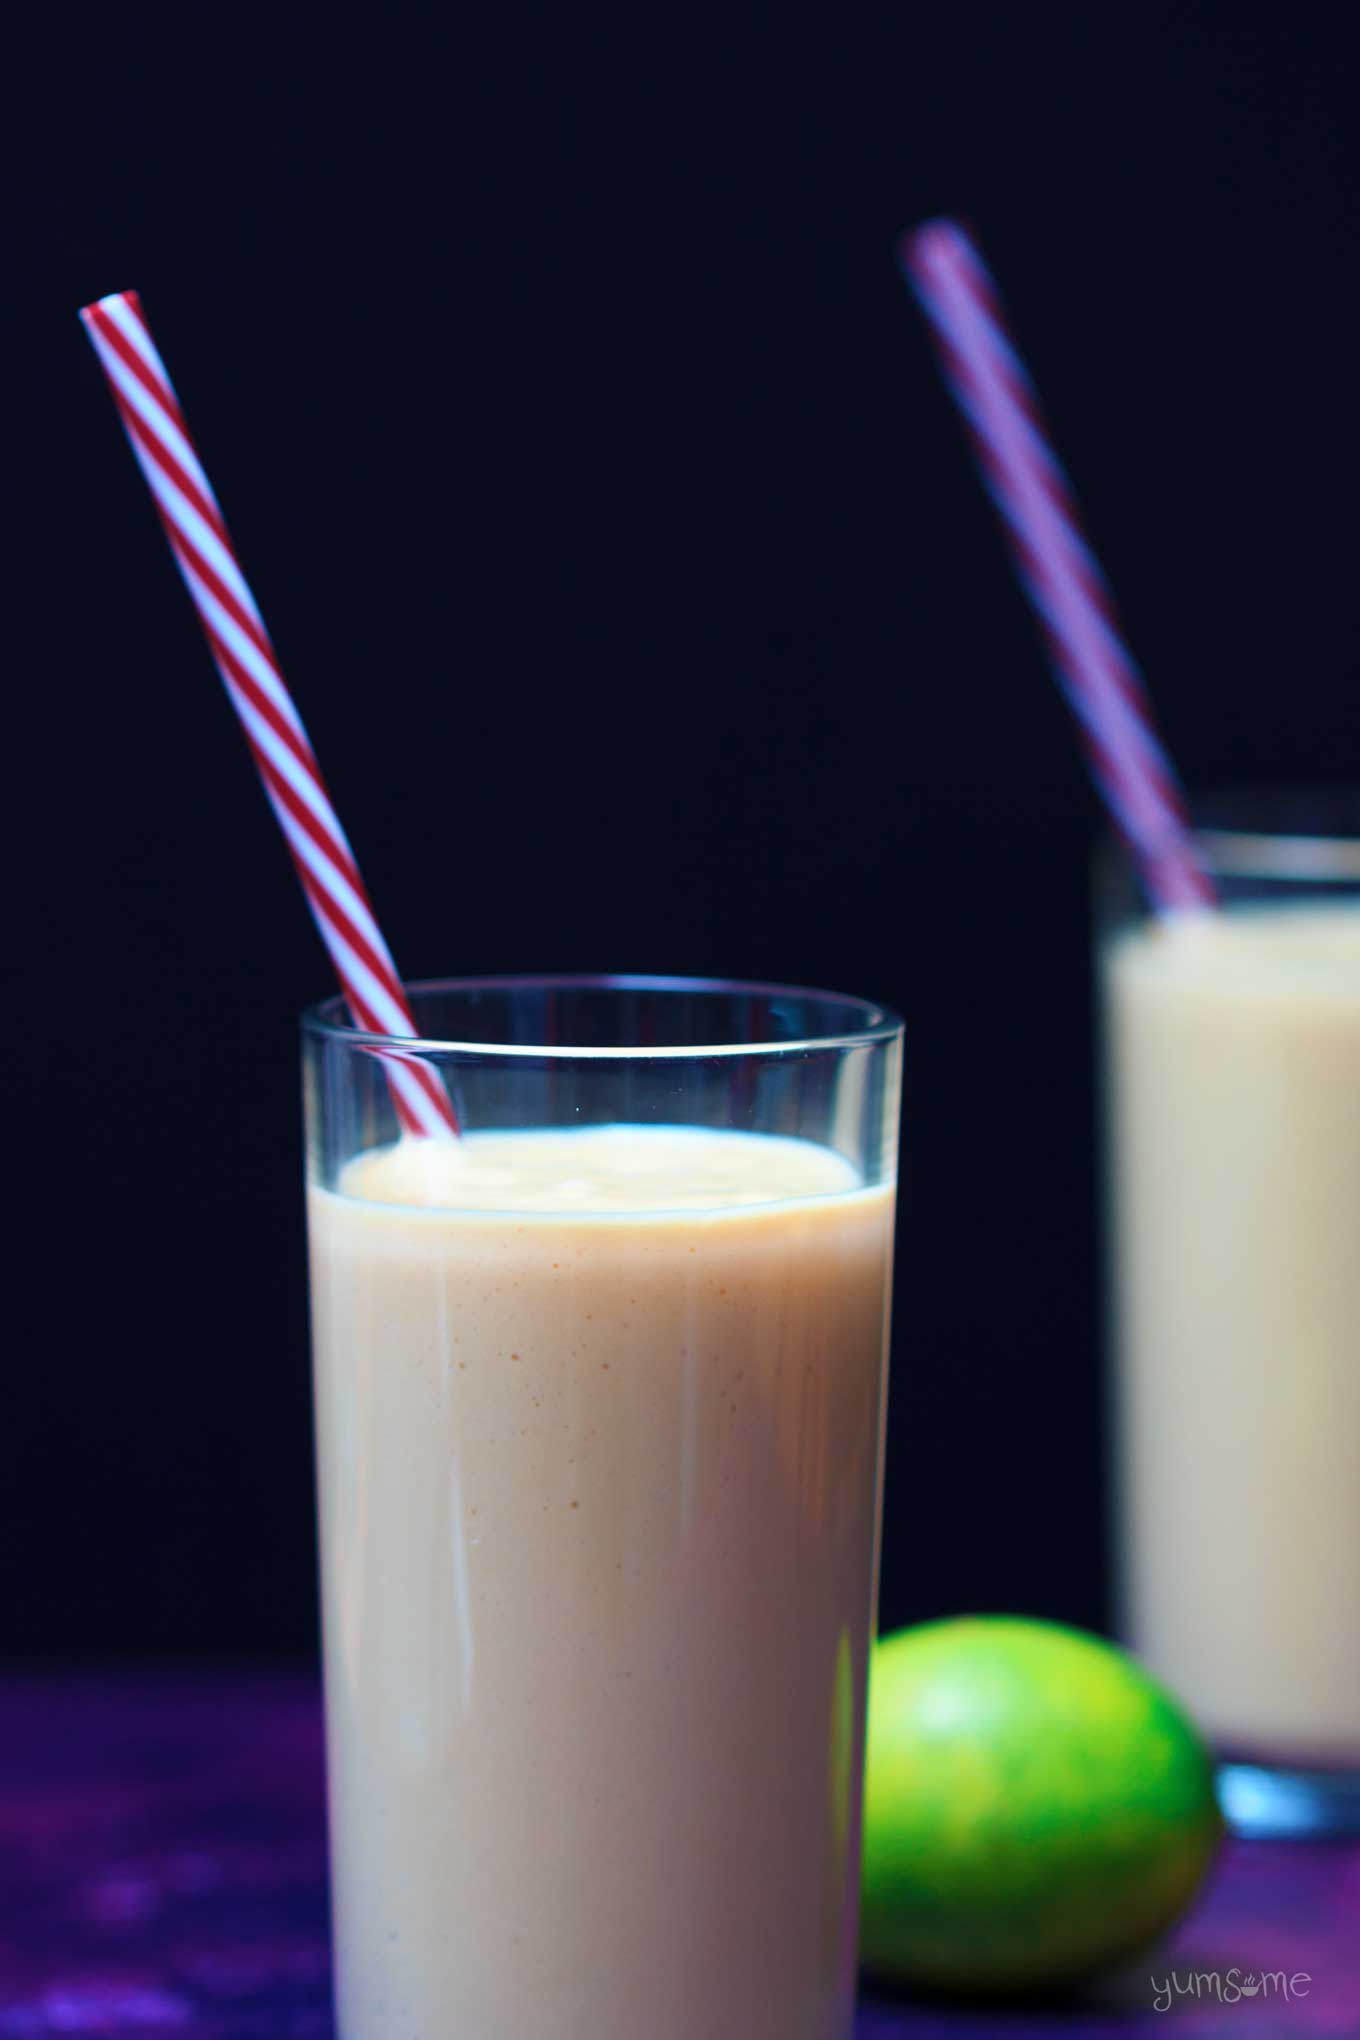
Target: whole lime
(1035, 1806)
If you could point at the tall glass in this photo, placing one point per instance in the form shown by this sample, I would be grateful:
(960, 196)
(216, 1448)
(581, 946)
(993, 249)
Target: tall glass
(599, 1400)
(1233, 1090)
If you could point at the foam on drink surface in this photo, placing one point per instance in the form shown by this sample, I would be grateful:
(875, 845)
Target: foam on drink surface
(1269, 951)
(598, 1169)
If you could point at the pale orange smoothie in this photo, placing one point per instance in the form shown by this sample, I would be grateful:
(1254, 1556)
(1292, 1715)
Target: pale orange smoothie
(1235, 1102)
(599, 1416)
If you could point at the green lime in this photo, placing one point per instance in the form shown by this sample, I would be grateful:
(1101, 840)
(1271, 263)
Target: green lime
(1035, 1806)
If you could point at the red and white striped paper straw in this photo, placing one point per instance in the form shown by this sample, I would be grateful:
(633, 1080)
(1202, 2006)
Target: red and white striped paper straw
(1056, 566)
(245, 658)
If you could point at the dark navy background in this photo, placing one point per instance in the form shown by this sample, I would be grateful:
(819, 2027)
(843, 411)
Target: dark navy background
(589, 462)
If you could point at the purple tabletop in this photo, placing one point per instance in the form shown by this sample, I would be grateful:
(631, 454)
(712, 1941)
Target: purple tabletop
(162, 1871)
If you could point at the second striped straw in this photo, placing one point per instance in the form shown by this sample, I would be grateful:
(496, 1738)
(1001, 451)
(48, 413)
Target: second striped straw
(245, 659)
(1059, 572)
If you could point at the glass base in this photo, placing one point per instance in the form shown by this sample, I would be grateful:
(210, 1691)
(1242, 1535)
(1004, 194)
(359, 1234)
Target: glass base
(1271, 1802)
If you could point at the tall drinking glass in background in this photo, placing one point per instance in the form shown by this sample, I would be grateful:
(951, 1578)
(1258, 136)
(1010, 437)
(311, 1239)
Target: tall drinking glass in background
(1233, 1124)
(599, 1395)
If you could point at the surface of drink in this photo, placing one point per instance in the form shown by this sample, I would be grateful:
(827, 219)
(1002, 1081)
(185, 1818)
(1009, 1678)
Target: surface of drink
(599, 1423)
(1234, 1045)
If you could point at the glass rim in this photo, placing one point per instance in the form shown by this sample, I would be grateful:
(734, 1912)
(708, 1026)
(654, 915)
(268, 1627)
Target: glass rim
(1280, 853)
(1289, 833)
(326, 1019)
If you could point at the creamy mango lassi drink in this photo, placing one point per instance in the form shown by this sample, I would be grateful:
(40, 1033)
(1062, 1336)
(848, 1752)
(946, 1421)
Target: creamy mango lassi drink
(599, 1431)
(1234, 1082)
